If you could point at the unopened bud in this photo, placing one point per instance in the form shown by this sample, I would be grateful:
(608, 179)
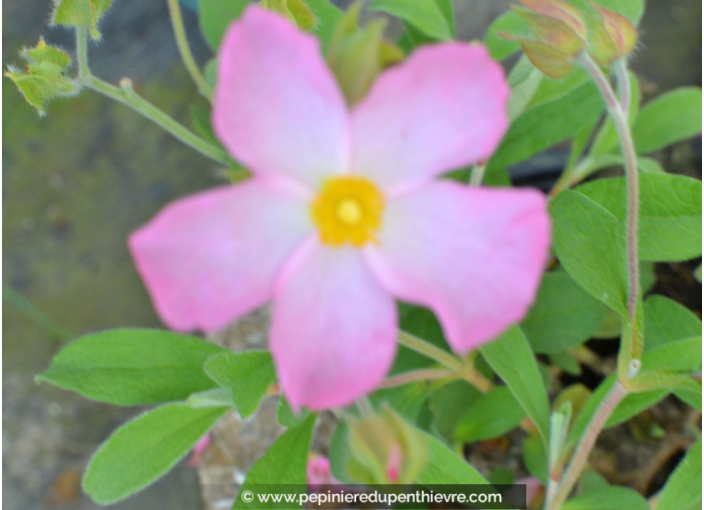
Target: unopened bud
(385, 450)
(561, 11)
(546, 58)
(553, 32)
(614, 36)
(295, 10)
(357, 55)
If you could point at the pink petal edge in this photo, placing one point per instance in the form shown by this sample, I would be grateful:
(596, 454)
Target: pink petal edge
(214, 256)
(443, 108)
(475, 256)
(333, 335)
(277, 107)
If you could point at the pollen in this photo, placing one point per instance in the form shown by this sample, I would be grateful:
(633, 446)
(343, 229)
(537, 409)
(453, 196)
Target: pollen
(348, 210)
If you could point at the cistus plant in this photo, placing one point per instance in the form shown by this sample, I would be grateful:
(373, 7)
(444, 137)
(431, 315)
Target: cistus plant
(370, 203)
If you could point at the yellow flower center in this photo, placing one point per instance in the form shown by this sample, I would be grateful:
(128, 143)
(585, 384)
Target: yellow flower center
(348, 210)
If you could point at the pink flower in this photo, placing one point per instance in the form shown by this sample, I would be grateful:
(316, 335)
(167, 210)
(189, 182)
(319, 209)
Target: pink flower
(344, 212)
(318, 471)
(199, 450)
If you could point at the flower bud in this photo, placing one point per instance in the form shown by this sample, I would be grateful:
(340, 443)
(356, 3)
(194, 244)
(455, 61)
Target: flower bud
(357, 55)
(560, 11)
(560, 33)
(80, 13)
(385, 450)
(295, 10)
(550, 61)
(43, 77)
(553, 32)
(611, 37)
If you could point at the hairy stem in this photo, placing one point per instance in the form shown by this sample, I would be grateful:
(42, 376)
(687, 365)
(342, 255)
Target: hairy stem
(585, 445)
(82, 52)
(624, 85)
(429, 374)
(185, 50)
(632, 343)
(429, 350)
(125, 94)
(464, 370)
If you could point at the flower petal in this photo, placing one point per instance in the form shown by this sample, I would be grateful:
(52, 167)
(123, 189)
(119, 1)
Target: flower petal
(277, 107)
(444, 108)
(473, 255)
(211, 257)
(333, 335)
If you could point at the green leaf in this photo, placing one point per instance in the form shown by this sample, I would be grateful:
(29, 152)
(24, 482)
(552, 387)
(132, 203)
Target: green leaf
(535, 459)
(668, 321)
(217, 397)
(511, 358)
(608, 498)
(448, 10)
(339, 453)
(588, 242)
(327, 16)
(449, 403)
(145, 448)
(633, 404)
(200, 116)
(283, 464)
(406, 399)
(80, 13)
(247, 374)
(286, 416)
(491, 415)
(216, 16)
(681, 356)
(670, 214)
(562, 316)
(422, 323)
(683, 490)
(524, 86)
(499, 47)
(446, 467)
(132, 366)
(548, 123)
(566, 361)
(591, 481)
(554, 89)
(668, 119)
(425, 15)
(44, 77)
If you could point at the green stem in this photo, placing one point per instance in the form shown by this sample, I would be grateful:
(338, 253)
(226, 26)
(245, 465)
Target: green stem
(632, 347)
(465, 371)
(429, 350)
(185, 50)
(126, 95)
(30, 310)
(477, 175)
(624, 85)
(586, 443)
(429, 374)
(82, 52)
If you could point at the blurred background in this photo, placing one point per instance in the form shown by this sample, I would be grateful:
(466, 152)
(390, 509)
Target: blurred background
(76, 182)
